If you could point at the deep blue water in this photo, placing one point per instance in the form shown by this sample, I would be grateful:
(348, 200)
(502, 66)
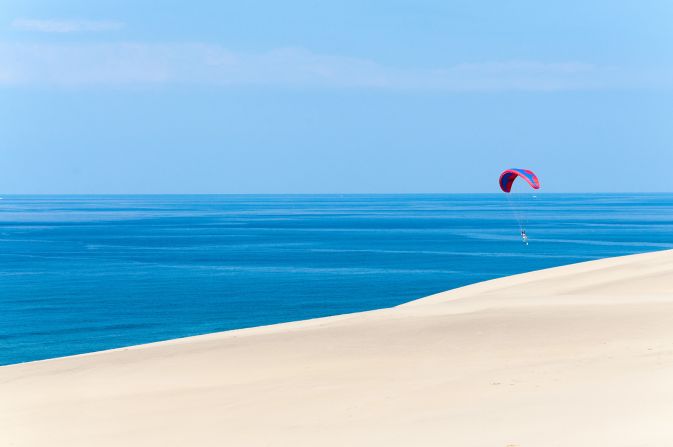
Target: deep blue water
(88, 273)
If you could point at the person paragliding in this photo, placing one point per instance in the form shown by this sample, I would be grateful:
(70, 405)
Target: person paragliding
(507, 179)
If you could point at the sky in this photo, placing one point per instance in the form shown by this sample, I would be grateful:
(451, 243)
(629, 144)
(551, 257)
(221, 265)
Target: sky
(423, 96)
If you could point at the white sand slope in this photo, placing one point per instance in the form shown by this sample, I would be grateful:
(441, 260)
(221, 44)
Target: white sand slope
(574, 356)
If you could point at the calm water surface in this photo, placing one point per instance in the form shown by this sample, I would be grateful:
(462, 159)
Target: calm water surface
(85, 273)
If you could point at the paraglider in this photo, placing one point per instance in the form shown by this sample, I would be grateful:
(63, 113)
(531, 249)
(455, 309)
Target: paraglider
(507, 179)
(509, 175)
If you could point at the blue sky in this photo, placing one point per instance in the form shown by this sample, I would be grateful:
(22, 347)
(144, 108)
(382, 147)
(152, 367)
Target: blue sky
(340, 97)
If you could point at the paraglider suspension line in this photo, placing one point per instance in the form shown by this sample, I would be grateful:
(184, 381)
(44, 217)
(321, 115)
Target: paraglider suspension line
(520, 219)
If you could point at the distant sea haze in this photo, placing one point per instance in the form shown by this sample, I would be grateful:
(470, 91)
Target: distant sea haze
(86, 273)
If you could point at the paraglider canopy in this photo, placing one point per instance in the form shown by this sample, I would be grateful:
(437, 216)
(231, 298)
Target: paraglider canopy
(508, 176)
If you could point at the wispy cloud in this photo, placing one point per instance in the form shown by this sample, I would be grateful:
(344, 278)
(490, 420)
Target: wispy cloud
(65, 26)
(138, 63)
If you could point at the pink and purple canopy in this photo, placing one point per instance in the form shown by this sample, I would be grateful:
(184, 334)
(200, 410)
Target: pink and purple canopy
(507, 178)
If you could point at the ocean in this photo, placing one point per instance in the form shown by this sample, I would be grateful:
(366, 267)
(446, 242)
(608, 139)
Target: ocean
(86, 273)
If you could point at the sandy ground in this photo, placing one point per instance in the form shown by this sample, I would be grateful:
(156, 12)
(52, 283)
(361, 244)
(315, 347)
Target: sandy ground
(580, 355)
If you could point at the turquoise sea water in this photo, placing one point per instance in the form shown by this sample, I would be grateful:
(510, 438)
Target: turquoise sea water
(85, 273)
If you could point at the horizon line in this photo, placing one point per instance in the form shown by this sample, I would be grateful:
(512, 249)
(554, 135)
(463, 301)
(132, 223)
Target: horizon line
(535, 192)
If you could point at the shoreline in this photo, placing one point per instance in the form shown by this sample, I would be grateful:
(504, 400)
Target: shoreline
(447, 294)
(522, 355)
(453, 294)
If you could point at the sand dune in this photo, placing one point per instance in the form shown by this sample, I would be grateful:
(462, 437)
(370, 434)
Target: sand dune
(580, 355)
